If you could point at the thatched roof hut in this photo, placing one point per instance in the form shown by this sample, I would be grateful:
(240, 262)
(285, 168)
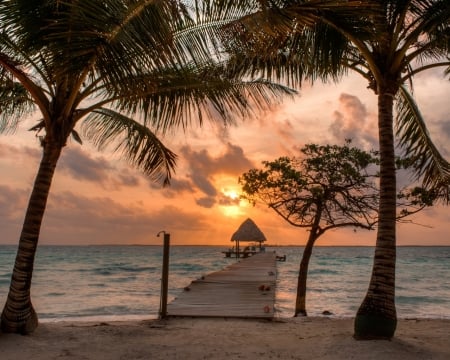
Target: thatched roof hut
(248, 231)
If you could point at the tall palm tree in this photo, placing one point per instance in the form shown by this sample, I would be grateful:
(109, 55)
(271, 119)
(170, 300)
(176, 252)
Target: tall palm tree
(387, 42)
(126, 72)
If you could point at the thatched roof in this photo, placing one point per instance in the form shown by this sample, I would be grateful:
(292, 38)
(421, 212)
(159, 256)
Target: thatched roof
(248, 231)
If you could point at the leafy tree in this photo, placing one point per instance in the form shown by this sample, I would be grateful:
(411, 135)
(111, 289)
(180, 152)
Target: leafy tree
(387, 42)
(124, 72)
(327, 187)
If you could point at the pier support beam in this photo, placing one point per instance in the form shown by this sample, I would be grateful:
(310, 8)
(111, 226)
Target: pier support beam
(165, 276)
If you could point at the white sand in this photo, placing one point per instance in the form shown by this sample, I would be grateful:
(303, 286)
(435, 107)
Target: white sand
(226, 339)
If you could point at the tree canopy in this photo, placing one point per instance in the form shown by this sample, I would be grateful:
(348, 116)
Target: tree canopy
(326, 187)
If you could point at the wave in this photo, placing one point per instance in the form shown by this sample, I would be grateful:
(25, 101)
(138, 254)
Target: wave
(112, 270)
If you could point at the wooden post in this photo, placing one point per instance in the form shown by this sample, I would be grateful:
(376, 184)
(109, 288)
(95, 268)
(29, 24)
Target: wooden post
(165, 276)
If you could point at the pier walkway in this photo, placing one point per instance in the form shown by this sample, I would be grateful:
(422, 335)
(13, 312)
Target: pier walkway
(245, 289)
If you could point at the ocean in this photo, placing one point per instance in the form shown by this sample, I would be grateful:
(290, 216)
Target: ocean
(105, 283)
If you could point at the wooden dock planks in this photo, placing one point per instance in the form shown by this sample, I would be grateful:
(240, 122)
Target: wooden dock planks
(236, 291)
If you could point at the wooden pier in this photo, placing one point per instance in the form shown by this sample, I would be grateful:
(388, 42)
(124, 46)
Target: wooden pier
(245, 289)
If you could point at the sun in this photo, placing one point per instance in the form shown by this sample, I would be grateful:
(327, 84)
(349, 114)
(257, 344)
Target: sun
(231, 204)
(232, 194)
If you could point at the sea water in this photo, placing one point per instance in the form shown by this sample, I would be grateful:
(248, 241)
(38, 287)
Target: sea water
(124, 282)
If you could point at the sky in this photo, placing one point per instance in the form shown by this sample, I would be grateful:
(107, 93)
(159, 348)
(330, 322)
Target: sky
(98, 199)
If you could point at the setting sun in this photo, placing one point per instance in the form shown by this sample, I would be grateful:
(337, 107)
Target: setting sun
(231, 194)
(230, 204)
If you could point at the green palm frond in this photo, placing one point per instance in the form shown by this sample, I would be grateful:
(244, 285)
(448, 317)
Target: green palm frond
(137, 143)
(184, 96)
(429, 164)
(15, 103)
(292, 41)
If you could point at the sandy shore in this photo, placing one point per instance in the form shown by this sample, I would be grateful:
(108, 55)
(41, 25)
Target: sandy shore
(225, 339)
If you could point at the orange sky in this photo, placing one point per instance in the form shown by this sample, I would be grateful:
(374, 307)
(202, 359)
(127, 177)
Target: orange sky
(97, 199)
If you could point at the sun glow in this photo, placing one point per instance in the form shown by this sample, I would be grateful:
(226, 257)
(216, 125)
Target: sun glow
(231, 211)
(232, 194)
(230, 204)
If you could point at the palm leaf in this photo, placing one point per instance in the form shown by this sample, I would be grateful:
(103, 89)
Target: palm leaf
(179, 97)
(137, 143)
(428, 164)
(15, 103)
(290, 41)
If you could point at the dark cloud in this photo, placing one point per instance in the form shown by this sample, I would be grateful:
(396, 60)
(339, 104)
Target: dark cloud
(127, 178)
(12, 202)
(445, 127)
(351, 122)
(204, 184)
(11, 152)
(233, 161)
(203, 168)
(353, 107)
(71, 218)
(81, 166)
(227, 201)
(206, 202)
(75, 219)
(176, 188)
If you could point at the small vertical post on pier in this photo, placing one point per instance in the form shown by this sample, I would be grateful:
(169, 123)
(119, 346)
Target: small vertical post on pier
(165, 275)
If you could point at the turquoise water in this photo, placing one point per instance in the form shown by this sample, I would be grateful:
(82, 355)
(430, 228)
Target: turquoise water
(123, 282)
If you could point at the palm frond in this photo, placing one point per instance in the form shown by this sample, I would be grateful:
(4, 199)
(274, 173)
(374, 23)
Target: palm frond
(15, 103)
(427, 162)
(180, 97)
(137, 143)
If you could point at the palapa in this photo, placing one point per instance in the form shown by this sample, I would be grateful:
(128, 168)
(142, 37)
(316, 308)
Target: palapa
(248, 231)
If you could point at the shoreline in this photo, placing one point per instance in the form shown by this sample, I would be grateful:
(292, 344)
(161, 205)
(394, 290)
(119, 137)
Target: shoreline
(224, 339)
(155, 317)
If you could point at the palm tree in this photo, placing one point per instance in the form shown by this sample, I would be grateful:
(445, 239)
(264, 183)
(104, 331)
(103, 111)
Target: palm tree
(387, 42)
(116, 70)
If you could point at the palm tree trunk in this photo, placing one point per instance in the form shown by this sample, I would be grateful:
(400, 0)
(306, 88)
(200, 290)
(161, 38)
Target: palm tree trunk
(376, 317)
(18, 315)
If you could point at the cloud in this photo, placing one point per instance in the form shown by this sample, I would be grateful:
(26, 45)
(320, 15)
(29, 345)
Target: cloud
(127, 178)
(81, 166)
(286, 131)
(204, 184)
(12, 203)
(15, 153)
(351, 122)
(232, 161)
(228, 201)
(206, 202)
(177, 187)
(204, 168)
(71, 218)
(445, 127)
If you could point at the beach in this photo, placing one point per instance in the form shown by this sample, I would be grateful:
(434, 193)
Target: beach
(225, 339)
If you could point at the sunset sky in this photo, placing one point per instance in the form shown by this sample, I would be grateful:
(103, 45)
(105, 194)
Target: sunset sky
(97, 199)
